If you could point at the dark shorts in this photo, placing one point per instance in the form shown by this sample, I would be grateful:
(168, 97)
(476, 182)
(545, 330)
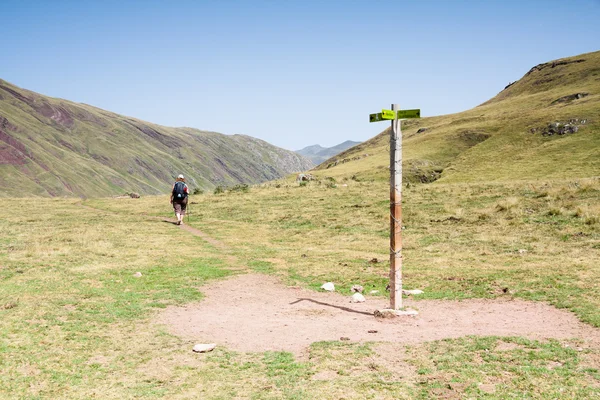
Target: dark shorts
(180, 207)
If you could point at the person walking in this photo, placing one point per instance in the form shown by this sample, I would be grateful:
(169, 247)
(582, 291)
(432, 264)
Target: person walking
(179, 198)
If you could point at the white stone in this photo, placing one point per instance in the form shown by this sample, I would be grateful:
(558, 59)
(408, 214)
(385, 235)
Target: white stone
(397, 313)
(329, 286)
(137, 275)
(374, 292)
(358, 298)
(204, 347)
(357, 288)
(414, 291)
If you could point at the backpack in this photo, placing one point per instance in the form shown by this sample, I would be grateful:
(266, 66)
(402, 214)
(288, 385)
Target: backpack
(179, 191)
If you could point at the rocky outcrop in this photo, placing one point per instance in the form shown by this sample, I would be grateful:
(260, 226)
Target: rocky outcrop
(560, 128)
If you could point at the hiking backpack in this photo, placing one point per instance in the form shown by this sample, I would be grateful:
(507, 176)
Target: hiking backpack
(179, 191)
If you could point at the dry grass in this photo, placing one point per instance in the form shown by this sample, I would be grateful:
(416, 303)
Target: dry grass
(75, 320)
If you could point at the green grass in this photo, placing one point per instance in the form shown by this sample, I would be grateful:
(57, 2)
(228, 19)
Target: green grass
(77, 323)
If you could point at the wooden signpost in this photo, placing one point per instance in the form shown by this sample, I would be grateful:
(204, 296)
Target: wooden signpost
(395, 115)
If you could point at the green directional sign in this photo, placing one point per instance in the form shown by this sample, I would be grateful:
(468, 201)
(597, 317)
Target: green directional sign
(409, 114)
(375, 117)
(388, 114)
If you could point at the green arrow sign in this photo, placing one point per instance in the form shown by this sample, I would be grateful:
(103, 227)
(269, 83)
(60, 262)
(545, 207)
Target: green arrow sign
(388, 114)
(375, 117)
(409, 114)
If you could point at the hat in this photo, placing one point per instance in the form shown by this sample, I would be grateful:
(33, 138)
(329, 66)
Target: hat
(180, 176)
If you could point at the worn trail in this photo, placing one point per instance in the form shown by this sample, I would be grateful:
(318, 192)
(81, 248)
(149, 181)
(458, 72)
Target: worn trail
(255, 313)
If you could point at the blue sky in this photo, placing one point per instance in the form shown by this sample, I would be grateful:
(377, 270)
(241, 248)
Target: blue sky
(293, 73)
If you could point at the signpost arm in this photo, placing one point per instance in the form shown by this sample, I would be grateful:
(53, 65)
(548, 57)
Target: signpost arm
(395, 213)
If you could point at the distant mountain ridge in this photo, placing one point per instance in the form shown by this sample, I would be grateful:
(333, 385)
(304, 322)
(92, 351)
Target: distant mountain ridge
(318, 154)
(55, 147)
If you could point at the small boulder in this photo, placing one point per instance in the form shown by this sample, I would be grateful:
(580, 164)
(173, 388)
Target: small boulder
(411, 292)
(357, 289)
(134, 195)
(329, 286)
(137, 275)
(358, 298)
(204, 347)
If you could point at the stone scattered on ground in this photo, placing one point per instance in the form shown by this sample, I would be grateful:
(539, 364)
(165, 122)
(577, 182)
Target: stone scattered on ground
(134, 195)
(137, 275)
(560, 128)
(329, 286)
(8, 306)
(389, 313)
(358, 298)
(204, 347)
(357, 289)
(411, 292)
(571, 97)
(372, 331)
(374, 292)
(344, 338)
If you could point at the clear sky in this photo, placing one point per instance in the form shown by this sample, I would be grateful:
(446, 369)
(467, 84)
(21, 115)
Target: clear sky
(293, 73)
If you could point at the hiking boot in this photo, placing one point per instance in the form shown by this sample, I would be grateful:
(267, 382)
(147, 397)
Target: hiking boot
(178, 222)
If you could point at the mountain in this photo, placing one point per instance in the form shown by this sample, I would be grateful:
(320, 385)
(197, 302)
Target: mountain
(546, 125)
(318, 154)
(54, 147)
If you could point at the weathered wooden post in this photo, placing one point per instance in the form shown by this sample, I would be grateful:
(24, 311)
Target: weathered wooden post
(395, 212)
(395, 114)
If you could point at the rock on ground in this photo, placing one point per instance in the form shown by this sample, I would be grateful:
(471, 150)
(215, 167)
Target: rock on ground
(204, 347)
(358, 298)
(357, 288)
(329, 286)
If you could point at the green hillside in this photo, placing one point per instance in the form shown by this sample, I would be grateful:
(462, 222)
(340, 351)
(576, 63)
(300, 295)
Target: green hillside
(509, 137)
(56, 147)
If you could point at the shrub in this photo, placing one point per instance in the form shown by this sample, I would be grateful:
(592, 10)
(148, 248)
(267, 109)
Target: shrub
(198, 191)
(219, 189)
(242, 187)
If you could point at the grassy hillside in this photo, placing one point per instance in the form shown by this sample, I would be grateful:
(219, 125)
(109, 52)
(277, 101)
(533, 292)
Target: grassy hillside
(501, 140)
(55, 147)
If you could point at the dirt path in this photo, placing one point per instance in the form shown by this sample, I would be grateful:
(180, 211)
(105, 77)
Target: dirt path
(255, 313)
(193, 231)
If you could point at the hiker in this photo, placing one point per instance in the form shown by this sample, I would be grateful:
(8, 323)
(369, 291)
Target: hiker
(179, 198)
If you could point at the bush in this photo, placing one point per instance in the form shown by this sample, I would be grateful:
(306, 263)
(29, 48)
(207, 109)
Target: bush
(219, 189)
(198, 191)
(242, 187)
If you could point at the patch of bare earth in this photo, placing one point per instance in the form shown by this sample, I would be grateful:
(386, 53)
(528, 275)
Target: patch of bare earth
(255, 313)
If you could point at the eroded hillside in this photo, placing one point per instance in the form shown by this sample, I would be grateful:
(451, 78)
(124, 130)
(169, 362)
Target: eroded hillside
(54, 147)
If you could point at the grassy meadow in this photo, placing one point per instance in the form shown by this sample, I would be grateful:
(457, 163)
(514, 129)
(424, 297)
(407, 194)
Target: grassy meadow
(75, 323)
